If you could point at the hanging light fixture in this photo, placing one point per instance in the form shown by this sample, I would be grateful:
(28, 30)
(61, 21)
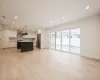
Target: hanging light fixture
(24, 31)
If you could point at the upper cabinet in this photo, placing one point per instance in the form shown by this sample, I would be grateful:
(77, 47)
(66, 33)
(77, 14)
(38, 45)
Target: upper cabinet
(9, 33)
(12, 33)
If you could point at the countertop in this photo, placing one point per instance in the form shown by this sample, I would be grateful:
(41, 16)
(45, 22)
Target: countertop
(25, 41)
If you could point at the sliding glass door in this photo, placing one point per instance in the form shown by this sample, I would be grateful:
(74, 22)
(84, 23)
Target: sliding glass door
(75, 40)
(58, 40)
(65, 40)
(53, 38)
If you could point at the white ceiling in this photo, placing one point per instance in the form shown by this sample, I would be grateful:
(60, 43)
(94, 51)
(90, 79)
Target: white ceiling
(35, 13)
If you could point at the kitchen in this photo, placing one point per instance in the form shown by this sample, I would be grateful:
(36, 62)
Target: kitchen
(10, 38)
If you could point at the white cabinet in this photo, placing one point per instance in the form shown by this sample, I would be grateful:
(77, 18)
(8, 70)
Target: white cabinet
(0, 38)
(12, 33)
(6, 35)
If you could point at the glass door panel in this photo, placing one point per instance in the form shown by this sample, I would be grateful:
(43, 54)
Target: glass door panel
(65, 40)
(58, 40)
(53, 37)
(75, 40)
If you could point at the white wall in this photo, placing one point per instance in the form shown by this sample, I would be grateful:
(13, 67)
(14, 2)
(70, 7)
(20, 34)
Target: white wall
(45, 38)
(32, 35)
(90, 35)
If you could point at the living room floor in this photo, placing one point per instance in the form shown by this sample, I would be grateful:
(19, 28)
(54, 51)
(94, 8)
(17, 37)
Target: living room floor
(46, 64)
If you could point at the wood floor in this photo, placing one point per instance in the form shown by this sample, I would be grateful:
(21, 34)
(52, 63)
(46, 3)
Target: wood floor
(46, 65)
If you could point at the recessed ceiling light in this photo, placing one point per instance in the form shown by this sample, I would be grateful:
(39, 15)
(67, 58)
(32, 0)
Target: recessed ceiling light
(50, 21)
(43, 25)
(16, 17)
(63, 17)
(87, 7)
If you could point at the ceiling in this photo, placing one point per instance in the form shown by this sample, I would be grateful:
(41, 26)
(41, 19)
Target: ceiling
(45, 13)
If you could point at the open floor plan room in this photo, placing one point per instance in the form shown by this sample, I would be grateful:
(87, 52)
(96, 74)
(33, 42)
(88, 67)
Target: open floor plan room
(49, 39)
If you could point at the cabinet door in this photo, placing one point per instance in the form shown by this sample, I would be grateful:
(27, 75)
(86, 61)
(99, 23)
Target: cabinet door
(0, 38)
(12, 33)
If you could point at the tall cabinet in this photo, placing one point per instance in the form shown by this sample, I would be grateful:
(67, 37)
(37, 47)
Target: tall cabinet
(0, 38)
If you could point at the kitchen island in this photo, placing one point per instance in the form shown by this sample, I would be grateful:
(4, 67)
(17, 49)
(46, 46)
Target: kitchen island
(25, 46)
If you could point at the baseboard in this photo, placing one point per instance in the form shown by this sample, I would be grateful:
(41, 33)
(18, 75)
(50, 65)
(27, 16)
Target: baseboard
(79, 55)
(90, 58)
